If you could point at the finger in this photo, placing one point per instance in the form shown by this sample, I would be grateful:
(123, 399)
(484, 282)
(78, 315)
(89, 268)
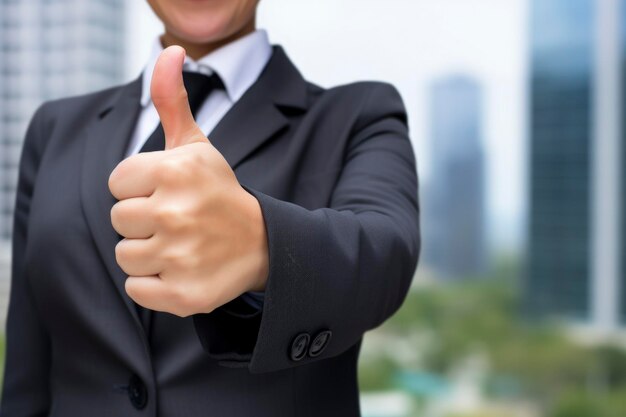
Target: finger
(153, 293)
(170, 99)
(137, 256)
(131, 218)
(136, 176)
(146, 291)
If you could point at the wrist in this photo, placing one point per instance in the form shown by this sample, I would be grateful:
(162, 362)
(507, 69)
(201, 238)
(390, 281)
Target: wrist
(259, 252)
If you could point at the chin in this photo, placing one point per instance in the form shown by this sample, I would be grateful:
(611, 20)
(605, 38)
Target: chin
(204, 21)
(201, 33)
(201, 29)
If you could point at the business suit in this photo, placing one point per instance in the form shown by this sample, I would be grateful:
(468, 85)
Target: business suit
(334, 173)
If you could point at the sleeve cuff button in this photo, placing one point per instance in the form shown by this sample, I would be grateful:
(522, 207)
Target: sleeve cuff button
(319, 343)
(299, 347)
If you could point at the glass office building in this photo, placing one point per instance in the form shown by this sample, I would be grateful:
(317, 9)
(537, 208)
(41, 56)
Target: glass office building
(577, 229)
(558, 278)
(50, 49)
(622, 117)
(454, 206)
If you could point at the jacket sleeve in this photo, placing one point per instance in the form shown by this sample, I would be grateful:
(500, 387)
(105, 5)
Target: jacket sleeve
(339, 270)
(25, 390)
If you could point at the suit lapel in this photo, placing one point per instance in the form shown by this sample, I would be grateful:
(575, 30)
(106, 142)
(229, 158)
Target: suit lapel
(259, 114)
(107, 138)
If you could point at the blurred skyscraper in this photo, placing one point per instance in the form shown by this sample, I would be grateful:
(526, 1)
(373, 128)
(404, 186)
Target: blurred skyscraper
(561, 93)
(50, 49)
(576, 227)
(454, 203)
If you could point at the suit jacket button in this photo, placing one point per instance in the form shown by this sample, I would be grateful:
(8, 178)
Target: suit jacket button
(319, 343)
(299, 346)
(137, 392)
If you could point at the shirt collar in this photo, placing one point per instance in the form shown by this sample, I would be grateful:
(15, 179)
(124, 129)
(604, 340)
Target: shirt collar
(238, 64)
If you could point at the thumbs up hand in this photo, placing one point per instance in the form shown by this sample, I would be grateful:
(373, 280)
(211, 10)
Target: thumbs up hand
(194, 239)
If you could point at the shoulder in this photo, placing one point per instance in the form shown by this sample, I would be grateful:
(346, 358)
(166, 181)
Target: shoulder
(79, 105)
(361, 101)
(67, 114)
(356, 90)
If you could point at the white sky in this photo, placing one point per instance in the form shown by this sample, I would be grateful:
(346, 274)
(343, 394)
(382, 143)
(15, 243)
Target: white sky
(409, 43)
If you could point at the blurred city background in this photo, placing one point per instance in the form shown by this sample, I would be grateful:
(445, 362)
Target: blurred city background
(518, 306)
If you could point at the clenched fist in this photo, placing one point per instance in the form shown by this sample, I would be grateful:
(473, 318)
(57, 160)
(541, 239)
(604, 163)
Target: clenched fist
(194, 238)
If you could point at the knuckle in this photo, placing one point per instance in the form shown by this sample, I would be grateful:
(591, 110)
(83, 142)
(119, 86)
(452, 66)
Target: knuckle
(168, 216)
(175, 217)
(171, 169)
(183, 96)
(173, 259)
(198, 156)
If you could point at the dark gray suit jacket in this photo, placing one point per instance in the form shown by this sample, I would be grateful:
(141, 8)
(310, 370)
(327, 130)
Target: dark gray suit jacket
(334, 172)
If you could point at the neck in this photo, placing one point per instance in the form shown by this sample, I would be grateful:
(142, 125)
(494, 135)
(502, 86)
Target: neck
(198, 50)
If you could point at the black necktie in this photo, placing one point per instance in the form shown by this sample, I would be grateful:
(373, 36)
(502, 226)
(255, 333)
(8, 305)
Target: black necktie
(198, 87)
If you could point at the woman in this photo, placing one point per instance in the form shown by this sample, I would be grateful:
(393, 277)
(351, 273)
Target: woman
(160, 272)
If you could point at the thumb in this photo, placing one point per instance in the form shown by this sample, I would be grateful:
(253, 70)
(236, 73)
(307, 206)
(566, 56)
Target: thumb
(170, 99)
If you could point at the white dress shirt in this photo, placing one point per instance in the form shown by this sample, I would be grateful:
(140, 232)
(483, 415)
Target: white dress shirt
(238, 65)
